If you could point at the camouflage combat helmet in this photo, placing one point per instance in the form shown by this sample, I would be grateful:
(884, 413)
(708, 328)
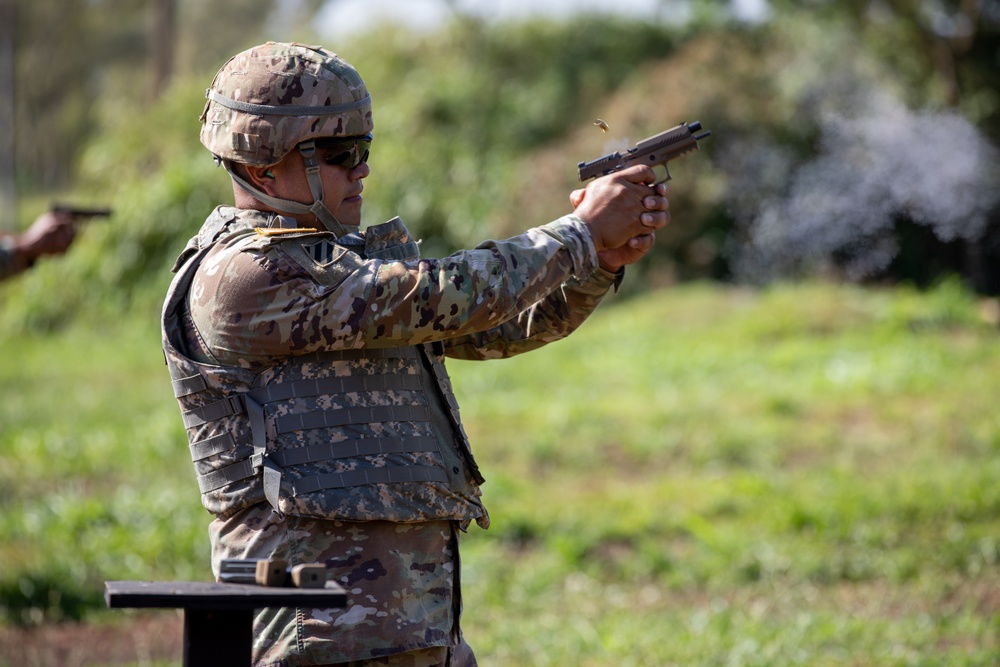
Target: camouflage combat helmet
(277, 97)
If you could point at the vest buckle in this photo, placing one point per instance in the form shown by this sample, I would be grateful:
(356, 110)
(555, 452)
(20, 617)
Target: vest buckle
(237, 404)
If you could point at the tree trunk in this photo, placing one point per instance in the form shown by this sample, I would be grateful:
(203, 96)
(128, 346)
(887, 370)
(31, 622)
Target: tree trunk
(8, 183)
(163, 39)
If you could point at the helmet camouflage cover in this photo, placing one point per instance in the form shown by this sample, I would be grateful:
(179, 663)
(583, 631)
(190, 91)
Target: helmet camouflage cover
(268, 99)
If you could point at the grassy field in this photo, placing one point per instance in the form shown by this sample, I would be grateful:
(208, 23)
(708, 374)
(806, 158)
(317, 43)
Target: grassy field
(805, 475)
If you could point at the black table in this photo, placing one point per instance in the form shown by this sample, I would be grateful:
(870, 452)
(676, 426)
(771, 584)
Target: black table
(218, 618)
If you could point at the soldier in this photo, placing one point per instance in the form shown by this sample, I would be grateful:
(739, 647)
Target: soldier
(308, 357)
(50, 234)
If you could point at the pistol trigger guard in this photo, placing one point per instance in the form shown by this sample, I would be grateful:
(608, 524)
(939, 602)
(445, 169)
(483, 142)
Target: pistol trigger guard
(666, 170)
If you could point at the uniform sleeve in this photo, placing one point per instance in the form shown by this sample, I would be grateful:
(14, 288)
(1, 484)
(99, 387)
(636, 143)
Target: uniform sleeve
(553, 318)
(9, 265)
(251, 302)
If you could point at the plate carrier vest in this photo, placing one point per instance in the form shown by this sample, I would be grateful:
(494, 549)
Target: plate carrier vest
(354, 435)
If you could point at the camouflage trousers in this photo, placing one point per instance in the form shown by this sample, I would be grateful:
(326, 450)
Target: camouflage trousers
(457, 656)
(402, 583)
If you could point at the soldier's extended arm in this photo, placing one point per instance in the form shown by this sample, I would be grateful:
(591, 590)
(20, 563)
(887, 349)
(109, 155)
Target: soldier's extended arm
(655, 151)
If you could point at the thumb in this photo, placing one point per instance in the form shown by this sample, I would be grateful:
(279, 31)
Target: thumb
(576, 197)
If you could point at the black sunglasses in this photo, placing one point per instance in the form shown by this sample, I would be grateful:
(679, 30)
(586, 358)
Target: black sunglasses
(346, 152)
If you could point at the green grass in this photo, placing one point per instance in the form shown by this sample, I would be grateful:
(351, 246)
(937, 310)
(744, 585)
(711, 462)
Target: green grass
(804, 475)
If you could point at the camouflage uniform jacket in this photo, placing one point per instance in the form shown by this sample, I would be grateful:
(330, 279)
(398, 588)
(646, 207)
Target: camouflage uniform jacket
(310, 369)
(251, 310)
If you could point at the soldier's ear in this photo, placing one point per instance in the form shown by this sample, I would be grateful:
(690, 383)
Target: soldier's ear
(261, 177)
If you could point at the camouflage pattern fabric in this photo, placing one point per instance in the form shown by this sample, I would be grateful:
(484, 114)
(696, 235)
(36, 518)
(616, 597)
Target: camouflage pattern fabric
(8, 263)
(401, 580)
(261, 297)
(333, 99)
(460, 655)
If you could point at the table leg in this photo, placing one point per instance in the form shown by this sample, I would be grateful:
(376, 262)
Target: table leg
(218, 637)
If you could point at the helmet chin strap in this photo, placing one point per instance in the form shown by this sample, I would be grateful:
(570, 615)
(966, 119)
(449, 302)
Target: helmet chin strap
(308, 151)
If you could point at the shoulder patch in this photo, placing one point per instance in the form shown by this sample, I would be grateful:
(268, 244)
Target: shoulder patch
(322, 252)
(327, 262)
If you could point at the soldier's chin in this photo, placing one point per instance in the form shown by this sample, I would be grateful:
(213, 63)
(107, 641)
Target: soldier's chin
(350, 211)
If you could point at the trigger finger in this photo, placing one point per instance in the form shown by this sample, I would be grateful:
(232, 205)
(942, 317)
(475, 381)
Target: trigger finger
(640, 174)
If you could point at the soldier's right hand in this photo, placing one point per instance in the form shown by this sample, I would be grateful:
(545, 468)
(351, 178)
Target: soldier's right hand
(622, 206)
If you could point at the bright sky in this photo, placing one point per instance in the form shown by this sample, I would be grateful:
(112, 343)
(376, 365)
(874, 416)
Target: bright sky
(344, 17)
